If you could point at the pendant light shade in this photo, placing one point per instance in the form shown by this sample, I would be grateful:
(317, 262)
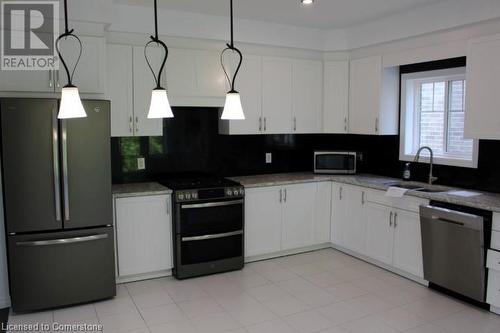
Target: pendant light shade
(71, 105)
(159, 106)
(232, 108)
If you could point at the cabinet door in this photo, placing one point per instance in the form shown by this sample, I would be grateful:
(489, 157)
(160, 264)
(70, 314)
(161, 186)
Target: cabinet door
(354, 233)
(143, 85)
(307, 96)
(482, 119)
(379, 232)
(249, 84)
(298, 215)
(262, 221)
(143, 234)
(119, 89)
(322, 213)
(210, 76)
(365, 91)
(338, 214)
(181, 74)
(277, 95)
(408, 243)
(336, 97)
(89, 75)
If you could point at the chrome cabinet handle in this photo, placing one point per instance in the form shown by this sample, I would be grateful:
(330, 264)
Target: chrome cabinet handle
(363, 197)
(340, 193)
(390, 219)
(295, 124)
(395, 220)
(168, 207)
(281, 195)
(260, 124)
(137, 124)
(345, 124)
(284, 198)
(130, 124)
(376, 125)
(265, 124)
(55, 155)
(58, 84)
(51, 79)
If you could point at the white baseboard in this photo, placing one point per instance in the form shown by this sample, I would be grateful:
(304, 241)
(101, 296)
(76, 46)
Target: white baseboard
(494, 309)
(145, 276)
(287, 252)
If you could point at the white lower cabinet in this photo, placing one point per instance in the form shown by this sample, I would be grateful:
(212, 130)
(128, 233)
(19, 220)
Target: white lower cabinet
(380, 232)
(262, 221)
(283, 218)
(408, 243)
(143, 235)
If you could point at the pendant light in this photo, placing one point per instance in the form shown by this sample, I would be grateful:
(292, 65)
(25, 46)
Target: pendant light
(71, 104)
(232, 107)
(159, 106)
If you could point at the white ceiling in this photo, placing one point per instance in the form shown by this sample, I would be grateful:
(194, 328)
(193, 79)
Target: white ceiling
(324, 14)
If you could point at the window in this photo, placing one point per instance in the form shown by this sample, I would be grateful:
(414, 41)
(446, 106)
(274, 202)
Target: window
(432, 114)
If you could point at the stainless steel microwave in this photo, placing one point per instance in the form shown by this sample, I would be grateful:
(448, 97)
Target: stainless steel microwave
(335, 162)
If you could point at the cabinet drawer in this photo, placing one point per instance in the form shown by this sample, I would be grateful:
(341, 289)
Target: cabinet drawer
(493, 261)
(408, 203)
(493, 293)
(495, 240)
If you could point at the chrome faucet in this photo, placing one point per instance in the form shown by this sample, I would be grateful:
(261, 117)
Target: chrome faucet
(417, 157)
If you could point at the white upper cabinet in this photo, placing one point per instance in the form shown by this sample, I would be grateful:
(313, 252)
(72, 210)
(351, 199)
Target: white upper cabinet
(144, 83)
(90, 74)
(373, 97)
(307, 81)
(262, 220)
(277, 95)
(249, 85)
(195, 78)
(482, 116)
(336, 97)
(129, 84)
(119, 89)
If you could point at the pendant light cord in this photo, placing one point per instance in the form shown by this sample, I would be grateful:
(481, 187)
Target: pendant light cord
(230, 46)
(155, 39)
(68, 33)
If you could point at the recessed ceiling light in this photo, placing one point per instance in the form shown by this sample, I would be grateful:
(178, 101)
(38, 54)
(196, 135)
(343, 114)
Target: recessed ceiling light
(307, 2)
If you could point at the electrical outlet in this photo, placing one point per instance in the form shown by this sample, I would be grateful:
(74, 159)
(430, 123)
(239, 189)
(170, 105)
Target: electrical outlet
(269, 158)
(360, 156)
(141, 163)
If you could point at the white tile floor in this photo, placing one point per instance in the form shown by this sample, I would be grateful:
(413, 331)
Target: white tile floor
(322, 291)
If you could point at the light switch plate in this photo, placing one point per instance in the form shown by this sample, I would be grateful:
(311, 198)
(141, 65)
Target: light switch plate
(269, 158)
(141, 163)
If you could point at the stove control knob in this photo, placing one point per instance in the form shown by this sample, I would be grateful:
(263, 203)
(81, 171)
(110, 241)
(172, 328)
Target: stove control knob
(180, 196)
(235, 192)
(188, 196)
(194, 195)
(242, 191)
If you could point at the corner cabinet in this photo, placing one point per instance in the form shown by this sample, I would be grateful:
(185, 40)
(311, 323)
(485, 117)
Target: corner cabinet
(307, 92)
(286, 218)
(143, 236)
(373, 97)
(336, 97)
(482, 118)
(129, 85)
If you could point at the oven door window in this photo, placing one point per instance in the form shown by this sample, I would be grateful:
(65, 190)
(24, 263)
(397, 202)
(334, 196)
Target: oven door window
(210, 218)
(335, 162)
(199, 251)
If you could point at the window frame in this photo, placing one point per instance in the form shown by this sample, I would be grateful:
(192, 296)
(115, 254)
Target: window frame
(409, 100)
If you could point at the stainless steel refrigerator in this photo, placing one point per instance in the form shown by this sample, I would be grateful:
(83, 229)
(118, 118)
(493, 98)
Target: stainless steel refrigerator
(57, 203)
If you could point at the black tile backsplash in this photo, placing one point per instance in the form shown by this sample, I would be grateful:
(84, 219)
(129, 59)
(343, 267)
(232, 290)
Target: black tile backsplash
(191, 143)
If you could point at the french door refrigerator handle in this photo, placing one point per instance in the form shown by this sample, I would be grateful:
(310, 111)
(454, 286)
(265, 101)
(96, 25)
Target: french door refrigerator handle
(62, 241)
(55, 157)
(65, 170)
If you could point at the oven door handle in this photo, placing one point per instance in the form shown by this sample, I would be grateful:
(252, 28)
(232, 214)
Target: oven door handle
(214, 236)
(212, 204)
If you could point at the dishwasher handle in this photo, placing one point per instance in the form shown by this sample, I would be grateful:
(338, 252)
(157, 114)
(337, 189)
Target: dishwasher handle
(445, 215)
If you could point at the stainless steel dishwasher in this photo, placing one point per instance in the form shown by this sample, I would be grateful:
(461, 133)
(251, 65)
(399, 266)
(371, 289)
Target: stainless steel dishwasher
(454, 244)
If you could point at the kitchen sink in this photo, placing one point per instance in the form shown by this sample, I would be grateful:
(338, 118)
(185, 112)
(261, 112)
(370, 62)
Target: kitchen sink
(416, 187)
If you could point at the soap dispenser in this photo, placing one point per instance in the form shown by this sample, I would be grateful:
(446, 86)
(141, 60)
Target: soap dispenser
(407, 172)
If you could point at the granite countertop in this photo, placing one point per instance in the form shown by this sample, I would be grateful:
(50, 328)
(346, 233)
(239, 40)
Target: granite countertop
(139, 189)
(486, 200)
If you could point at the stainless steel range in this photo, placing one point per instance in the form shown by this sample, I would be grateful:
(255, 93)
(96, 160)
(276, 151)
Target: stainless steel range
(208, 225)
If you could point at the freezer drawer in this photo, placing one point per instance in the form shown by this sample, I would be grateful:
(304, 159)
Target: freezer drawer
(57, 269)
